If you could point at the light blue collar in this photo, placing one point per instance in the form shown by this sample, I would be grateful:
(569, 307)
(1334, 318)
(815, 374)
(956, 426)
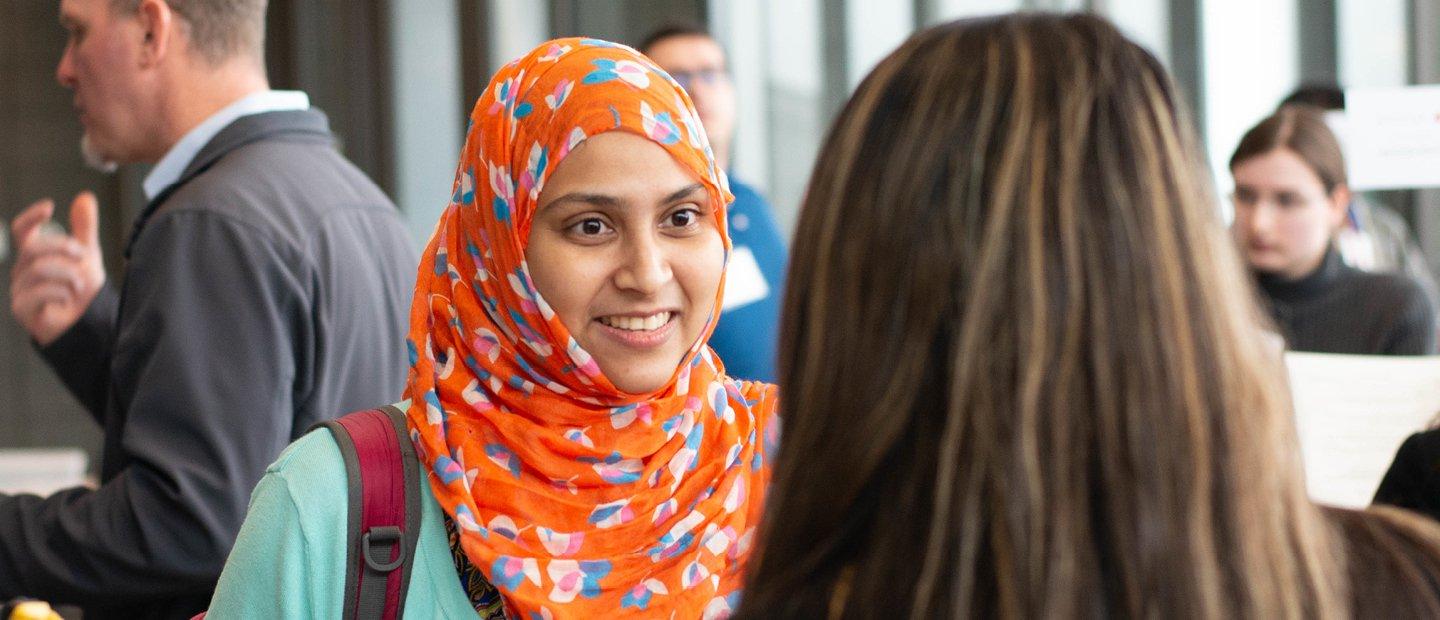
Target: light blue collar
(178, 158)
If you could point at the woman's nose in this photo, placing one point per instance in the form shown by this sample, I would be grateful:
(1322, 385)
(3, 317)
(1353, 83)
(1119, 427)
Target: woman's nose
(645, 267)
(1262, 218)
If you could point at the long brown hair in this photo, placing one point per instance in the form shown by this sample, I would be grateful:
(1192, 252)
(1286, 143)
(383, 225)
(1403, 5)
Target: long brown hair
(1300, 129)
(1023, 373)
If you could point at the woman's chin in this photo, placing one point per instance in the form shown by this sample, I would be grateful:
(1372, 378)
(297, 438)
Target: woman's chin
(637, 362)
(639, 376)
(639, 385)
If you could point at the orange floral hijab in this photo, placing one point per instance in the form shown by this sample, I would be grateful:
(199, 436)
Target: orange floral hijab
(574, 498)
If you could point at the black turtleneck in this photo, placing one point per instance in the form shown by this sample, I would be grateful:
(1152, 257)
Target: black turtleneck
(1340, 309)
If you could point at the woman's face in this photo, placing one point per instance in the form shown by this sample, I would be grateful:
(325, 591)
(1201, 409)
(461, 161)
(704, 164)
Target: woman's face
(625, 248)
(1284, 220)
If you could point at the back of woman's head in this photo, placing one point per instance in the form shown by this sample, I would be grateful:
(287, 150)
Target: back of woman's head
(1300, 129)
(1023, 376)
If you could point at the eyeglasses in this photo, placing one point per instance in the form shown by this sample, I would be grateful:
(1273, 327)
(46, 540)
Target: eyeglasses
(708, 77)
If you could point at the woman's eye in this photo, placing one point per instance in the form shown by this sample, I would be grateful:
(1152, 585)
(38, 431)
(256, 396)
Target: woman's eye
(590, 227)
(684, 218)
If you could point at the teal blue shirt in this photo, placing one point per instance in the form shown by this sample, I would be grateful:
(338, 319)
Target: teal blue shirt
(289, 561)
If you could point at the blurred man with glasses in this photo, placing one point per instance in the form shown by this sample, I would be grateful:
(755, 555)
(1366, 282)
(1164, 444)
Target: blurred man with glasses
(746, 336)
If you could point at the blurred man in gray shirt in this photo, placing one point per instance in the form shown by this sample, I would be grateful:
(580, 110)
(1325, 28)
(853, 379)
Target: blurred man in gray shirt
(266, 287)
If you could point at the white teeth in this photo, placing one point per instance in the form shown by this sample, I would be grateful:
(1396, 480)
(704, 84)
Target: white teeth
(635, 323)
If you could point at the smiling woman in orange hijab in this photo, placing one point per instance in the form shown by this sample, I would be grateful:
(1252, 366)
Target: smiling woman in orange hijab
(582, 446)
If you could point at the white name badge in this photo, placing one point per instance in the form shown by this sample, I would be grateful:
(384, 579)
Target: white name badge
(744, 283)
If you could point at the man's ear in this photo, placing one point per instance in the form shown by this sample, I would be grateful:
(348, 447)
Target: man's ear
(157, 24)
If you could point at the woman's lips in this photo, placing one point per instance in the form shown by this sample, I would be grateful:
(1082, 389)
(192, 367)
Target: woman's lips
(639, 332)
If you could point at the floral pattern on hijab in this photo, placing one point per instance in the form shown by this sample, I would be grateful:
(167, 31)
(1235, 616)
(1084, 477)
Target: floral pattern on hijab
(574, 498)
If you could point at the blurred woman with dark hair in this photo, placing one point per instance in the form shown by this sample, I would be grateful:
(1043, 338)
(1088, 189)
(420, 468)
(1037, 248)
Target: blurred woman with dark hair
(1026, 375)
(1291, 201)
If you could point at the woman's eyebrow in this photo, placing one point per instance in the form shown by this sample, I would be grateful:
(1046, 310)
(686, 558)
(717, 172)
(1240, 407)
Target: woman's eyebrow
(599, 200)
(606, 200)
(682, 193)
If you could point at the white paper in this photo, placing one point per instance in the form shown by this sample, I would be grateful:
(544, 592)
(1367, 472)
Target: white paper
(41, 471)
(1391, 137)
(744, 282)
(1352, 412)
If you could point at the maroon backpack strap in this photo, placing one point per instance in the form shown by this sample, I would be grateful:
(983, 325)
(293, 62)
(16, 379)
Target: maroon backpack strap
(384, 511)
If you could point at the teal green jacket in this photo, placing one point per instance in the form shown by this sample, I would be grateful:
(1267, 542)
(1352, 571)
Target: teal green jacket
(289, 561)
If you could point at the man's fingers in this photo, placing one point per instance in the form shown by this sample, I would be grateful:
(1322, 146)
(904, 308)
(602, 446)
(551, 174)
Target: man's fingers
(29, 305)
(45, 247)
(28, 222)
(48, 271)
(85, 219)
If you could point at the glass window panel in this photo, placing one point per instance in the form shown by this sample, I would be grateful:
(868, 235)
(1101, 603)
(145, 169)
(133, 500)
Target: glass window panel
(1251, 61)
(946, 10)
(427, 117)
(1374, 40)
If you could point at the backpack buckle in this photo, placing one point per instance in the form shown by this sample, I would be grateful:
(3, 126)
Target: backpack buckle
(387, 536)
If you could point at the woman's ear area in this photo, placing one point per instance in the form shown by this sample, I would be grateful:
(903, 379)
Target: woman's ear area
(1339, 204)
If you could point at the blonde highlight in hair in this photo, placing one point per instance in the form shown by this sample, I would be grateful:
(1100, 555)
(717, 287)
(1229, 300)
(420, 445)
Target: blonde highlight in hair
(1024, 376)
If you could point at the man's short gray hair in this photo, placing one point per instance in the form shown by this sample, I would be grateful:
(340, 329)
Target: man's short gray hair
(219, 29)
